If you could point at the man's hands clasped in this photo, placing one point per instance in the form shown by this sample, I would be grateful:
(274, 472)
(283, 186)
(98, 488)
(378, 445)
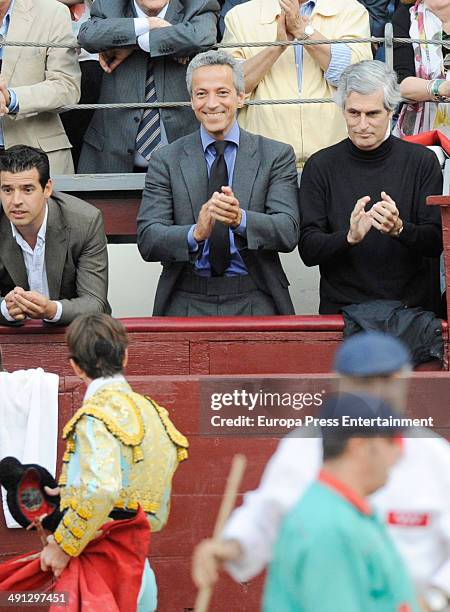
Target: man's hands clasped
(22, 304)
(383, 216)
(222, 207)
(294, 22)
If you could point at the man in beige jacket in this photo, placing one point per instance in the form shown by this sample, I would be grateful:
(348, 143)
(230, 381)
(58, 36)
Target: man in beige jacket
(295, 72)
(36, 81)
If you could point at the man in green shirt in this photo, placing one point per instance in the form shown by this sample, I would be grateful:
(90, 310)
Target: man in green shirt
(333, 554)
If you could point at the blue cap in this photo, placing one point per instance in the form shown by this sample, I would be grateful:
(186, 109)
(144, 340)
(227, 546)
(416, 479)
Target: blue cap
(371, 354)
(358, 406)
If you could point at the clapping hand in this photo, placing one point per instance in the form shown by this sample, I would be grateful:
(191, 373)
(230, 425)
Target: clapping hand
(360, 221)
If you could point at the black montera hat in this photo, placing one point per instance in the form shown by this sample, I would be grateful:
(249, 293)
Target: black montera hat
(25, 494)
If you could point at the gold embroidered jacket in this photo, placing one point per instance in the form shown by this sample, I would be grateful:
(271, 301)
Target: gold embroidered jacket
(122, 451)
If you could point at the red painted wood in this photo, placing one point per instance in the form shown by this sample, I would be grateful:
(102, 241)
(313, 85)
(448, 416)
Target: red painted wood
(208, 346)
(119, 215)
(212, 456)
(440, 200)
(198, 325)
(444, 203)
(265, 357)
(300, 323)
(199, 357)
(244, 324)
(228, 596)
(159, 357)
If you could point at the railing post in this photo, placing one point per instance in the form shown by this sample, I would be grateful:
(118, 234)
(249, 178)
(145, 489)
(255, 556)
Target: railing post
(389, 45)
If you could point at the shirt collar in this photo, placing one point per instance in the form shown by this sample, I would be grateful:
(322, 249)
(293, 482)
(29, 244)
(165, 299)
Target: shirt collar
(41, 233)
(339, 487)
(140, 12)
(7, 18)
(98, 383)
(231, 136)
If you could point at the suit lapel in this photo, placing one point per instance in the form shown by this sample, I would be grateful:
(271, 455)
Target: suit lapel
(174, 12)
(245, 169)
(130, 10)
(11, 255)
(195, 174)
(19, 29)
(56, 241)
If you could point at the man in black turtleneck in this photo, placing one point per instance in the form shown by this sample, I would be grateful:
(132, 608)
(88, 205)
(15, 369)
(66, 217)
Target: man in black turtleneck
(363, 212)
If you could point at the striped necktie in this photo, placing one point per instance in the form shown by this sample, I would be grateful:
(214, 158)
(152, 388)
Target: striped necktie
(148, 138)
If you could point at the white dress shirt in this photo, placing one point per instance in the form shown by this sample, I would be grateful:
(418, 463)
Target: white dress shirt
(34, 260)
(142, 27)
(415, 505)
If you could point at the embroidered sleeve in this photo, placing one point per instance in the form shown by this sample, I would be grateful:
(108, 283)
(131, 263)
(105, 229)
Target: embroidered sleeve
(95, 485)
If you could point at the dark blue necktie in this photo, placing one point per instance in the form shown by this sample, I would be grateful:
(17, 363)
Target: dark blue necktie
(219, 240)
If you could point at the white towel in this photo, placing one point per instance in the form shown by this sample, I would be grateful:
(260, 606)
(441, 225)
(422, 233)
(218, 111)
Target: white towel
(28, 420)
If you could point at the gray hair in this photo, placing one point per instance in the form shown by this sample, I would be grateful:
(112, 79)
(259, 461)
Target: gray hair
(217, 58)
(368, 77)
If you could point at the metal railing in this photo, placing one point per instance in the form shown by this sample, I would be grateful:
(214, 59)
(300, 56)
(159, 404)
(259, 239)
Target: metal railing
(388, 40)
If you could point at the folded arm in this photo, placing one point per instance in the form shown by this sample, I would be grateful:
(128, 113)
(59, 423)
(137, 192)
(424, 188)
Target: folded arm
(195, 33)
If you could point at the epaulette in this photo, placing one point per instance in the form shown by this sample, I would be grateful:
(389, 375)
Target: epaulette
(180, 441)
(120, 415)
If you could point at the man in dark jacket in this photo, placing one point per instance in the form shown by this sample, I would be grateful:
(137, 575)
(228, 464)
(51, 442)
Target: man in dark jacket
(145, 46)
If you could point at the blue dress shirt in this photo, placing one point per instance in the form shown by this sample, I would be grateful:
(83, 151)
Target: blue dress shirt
(202, 265)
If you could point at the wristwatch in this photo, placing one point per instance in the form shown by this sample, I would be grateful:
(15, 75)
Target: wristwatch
(436, 600)
(307, 32)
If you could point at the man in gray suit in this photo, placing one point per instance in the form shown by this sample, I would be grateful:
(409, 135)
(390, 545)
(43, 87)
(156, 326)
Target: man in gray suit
(218, 205)
(146, 45)
(53, 255)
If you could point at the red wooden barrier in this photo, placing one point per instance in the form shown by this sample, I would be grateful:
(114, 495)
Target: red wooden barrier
(203, 345)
